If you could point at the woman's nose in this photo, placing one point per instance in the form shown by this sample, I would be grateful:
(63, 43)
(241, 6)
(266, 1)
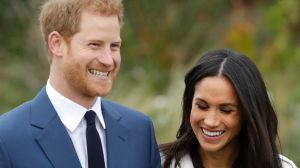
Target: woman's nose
(212, 119)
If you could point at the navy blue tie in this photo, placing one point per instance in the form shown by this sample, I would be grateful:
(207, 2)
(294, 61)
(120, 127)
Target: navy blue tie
(94, 146)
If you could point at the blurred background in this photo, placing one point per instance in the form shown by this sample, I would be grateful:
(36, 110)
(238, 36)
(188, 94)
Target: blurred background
(162, 39)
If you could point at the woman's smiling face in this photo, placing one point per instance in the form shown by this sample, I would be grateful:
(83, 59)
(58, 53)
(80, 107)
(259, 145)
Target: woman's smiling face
(215, 117)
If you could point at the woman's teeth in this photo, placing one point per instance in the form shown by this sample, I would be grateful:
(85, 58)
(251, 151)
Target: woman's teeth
(212, 133)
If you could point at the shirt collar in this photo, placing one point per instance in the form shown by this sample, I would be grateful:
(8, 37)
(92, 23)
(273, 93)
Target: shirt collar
(69, 112)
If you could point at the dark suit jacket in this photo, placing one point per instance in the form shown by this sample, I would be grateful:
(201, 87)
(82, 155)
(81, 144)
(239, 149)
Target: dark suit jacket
(33, 136)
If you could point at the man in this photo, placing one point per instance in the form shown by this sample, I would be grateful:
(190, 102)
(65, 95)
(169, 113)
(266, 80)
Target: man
(54, 129)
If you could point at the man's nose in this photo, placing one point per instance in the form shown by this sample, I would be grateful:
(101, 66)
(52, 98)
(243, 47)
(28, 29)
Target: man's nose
(106, 57)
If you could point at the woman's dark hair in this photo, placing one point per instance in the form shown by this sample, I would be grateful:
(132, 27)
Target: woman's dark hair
(259, 130)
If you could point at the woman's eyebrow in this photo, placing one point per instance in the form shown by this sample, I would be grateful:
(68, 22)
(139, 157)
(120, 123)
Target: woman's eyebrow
(229, 104)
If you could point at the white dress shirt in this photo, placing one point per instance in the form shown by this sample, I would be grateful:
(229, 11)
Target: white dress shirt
(72, 116)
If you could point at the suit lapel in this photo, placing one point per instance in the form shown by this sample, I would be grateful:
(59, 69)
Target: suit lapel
(52, 137)
(116, 137)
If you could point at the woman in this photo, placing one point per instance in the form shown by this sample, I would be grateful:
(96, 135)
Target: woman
(228, 119)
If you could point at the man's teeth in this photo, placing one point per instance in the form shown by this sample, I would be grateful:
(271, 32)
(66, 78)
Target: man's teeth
(98, 73)
(212, 133)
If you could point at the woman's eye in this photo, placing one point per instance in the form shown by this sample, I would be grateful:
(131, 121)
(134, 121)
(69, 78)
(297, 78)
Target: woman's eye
(226, 110)
(202, 106)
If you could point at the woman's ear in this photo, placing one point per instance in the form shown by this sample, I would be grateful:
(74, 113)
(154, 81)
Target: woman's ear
(55, 44)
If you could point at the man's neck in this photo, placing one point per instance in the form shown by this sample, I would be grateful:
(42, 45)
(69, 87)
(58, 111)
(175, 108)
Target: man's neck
(73, 95)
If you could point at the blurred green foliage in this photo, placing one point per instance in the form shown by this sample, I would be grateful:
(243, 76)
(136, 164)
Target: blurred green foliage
(161, 40)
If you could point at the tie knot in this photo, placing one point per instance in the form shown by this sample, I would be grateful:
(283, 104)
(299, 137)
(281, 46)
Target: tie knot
(90, 117)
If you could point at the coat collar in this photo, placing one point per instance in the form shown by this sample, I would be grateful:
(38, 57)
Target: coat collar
(54, 140)
(117, 136)
(52, 136)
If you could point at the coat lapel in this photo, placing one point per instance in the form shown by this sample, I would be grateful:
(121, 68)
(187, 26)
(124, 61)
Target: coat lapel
(52, 136)
(116, 137)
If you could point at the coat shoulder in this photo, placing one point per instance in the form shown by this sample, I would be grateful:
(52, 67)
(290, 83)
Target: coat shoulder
(124, 111)
(286, 163)
(14, 117)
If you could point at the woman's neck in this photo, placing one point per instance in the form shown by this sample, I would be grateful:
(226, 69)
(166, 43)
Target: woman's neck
(224, 158)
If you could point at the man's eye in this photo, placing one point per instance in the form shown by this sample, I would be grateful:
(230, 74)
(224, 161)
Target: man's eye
(115, 46)
(94, 44)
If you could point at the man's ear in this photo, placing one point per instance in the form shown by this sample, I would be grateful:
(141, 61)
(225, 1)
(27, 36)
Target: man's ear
(55, 43)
